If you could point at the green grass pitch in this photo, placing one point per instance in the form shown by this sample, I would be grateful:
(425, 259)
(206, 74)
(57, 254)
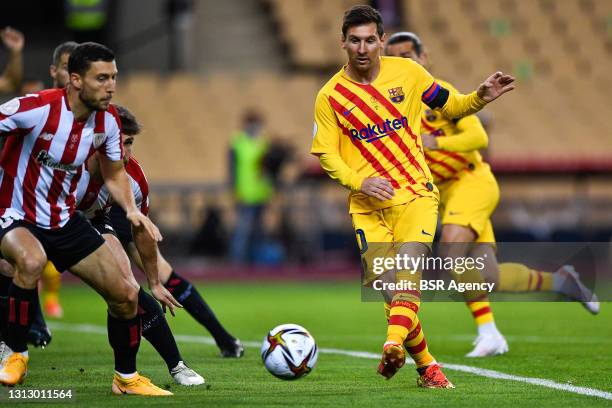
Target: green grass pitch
(555, 341)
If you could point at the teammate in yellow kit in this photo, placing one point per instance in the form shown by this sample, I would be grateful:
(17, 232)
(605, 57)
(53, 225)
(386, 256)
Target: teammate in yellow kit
(468, 191)
(469, 194)
(367, 122)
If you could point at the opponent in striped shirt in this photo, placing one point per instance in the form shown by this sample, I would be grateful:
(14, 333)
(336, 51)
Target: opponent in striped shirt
(95, 202)
(51, 134)
(366, 134)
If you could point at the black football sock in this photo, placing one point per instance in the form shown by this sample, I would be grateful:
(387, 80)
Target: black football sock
(22, 305)
(188, 296)
(124, 338)
(5, 282)
(39, 318)
(156, 330)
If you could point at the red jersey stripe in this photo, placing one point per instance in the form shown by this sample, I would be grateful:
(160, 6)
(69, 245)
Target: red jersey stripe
(364, 152)
(380, 146)
(373, 116)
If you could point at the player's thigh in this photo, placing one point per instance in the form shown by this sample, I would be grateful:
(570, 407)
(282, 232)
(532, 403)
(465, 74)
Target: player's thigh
(121, 257)
(103, 273)
(470, 201)
(415, 222)
(375, 241)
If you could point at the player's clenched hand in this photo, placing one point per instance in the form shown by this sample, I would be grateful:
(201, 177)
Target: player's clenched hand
(378, 188)
(139, 220)
(13, 39)
(495, 86)
(429, 141)
(164, 297)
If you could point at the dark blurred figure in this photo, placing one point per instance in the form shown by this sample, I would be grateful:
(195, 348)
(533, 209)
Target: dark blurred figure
(251, 185)
(87, 20)
(10, 80)
(211, 239)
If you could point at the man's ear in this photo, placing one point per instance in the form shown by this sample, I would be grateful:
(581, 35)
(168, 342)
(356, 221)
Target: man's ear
(76, 81)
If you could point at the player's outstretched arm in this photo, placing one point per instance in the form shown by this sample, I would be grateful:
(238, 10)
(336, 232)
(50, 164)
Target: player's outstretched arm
(456, 105)
(147, 252)
(118, 185)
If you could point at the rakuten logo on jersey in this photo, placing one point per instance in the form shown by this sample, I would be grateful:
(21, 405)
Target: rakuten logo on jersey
(377, 131)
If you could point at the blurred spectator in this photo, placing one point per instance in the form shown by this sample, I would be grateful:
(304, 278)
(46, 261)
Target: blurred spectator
(10, 80)
(252, 187)
(31, 85)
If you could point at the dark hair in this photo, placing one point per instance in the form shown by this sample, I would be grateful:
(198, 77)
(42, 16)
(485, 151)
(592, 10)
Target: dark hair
(406, 36)
(129, 124)
(64, 48)
(360, 15)
(84, 54)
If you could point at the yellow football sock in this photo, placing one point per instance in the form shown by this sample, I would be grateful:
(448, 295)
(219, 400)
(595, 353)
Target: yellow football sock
(403, 309)
(416, 346)
(515, 277)
(476, 301)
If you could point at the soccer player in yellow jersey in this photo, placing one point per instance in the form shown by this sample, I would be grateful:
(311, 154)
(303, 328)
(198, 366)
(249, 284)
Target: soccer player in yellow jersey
(469, 194)
(367, 122)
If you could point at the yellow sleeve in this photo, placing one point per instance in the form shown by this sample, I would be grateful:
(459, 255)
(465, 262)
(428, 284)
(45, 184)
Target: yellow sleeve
(459, 105)
(471, 136)
(326, 131)
(338, 170)
(452, 103)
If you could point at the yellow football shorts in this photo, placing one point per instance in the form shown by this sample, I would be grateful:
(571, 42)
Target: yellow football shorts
(470, 201)
(380, 233)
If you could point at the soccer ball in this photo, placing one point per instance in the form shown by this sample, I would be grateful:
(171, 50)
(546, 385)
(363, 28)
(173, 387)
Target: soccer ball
(289, 352)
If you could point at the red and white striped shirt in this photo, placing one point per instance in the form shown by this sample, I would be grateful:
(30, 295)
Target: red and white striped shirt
(94, 198)
(42, 159)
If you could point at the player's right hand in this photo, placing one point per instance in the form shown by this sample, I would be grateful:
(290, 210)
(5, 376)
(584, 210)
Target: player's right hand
(377, 187)
(139, 220)
(164, 297)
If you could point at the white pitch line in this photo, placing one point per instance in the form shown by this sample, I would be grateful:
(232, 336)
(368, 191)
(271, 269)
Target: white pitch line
(592, 392)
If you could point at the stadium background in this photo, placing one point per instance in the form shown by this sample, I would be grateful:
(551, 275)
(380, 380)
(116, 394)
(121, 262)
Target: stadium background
(190, 69)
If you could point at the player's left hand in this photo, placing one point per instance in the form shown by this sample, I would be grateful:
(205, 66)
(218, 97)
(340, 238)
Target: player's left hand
(12, 39)
(164, 297)
(495, 86)
(429, 141)
(139, 220)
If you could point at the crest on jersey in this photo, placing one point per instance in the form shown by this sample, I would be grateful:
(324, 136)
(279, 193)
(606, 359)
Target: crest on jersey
(98, 139)
(396, 94)
(10, 108)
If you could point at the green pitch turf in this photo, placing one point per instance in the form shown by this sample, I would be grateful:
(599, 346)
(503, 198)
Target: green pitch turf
(555, 341)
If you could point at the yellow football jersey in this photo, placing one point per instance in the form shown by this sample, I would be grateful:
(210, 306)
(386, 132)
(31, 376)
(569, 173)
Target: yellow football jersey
(375, 129)
(443, 164)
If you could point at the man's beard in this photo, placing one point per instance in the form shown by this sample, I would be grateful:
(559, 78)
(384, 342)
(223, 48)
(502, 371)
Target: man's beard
(91, 104)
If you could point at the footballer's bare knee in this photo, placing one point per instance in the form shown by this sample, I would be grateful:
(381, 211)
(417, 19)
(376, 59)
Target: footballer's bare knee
(29, 269)
(123, 302)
